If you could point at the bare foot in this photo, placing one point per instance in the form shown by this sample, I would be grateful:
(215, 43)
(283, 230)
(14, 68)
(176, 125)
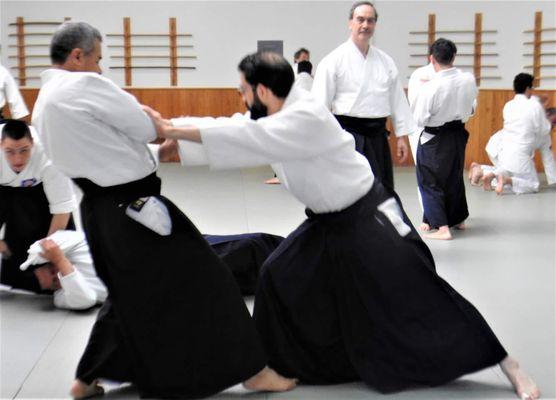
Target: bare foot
(443, 233)
(471, 167)
(425, 227)
(524, 386)
(476, 174)
(272, 181)
(80, 390)
(502, 180)
(461, 226)
(487, 181)
(270, 381)
(168, 150)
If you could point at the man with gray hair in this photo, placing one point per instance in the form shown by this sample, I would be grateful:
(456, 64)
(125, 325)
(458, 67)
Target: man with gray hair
(174, 322)
(360, 84)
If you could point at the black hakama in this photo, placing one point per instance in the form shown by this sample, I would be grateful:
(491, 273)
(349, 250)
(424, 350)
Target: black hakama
(175, 323)
(440, 163)
(371, 140)
(244, 255)
(346, 298)
(26, 214)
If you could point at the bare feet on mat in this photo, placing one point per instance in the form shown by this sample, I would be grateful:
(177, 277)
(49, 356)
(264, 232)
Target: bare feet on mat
(168, 150)
(269, 380)
(425, 227)
(525, 387)
(443, 233)
(487, 181)
(475, 174)
(461, 226)
(272, 181)
(502, 180)
(80, 390)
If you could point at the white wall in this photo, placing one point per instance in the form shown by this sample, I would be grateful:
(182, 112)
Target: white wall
(224, 31)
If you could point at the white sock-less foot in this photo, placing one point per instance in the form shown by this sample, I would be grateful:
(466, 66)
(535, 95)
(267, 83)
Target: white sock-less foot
(525, 387)
(461, 226)
(272, 181)
(487, 181)
(443, 233)
(269, 380)
(80, 390)
(425, 227)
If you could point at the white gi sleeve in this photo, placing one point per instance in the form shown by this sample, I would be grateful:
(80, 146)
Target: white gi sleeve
(17, 106)
(58, 189)
(402, 120)
(117, 108)
(324, 83)
(75, 294)
(423, 105)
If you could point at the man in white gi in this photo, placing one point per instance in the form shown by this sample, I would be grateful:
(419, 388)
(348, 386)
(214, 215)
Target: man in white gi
(36, 200)
(511, 150)
(9, 94)
(360, 84)
(304, 79)
(442, 106)
(62, 263)
(301, 55)
(330, 306)
(173, 331)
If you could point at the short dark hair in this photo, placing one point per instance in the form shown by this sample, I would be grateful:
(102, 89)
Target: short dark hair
(298, 53)
(269, 69)
(444, 51)
(304, 66)
(73, 35)
(16, 130)
(362, 3)
(522, 82)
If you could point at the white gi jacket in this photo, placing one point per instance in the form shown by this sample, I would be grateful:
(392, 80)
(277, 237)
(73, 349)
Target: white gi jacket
(56, 186)
(304, 81)
(449, 96)
(303, 142)
(90, 128)
(9, 93)
(349, 83)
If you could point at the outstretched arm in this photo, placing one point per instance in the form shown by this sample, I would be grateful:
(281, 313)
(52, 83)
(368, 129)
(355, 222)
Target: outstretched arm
(165, 129)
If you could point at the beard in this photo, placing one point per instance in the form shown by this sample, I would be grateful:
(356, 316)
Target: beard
(257, 109)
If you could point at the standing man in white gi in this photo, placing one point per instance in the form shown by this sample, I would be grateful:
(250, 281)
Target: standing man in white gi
(9, 94)
(172, 331)
(360, 84)
(443, 106)
(329, 306)
(36, 200)
(511, 150)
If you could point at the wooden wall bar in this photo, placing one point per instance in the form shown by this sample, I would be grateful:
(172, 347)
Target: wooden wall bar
(173, 102)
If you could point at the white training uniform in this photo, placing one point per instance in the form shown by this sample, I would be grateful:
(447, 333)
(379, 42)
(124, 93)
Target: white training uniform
(352, 84)
(39, 169)
(511, 150)
(449, 96)
(107, 125)
(416, 80)
(81, 288)
(544, 146)
(9, 93)
(304, 81)
(302, 142)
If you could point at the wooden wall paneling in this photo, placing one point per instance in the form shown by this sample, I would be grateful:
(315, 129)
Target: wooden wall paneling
(537, 48)
(431, 33)
(175, 102)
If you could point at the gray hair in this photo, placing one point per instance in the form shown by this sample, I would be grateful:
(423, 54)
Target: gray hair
(72, 35)
(362, 3)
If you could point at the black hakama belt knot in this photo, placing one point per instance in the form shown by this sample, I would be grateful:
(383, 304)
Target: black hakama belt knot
(348, 297)
(371, 140)
(175, 323)
(440, 163)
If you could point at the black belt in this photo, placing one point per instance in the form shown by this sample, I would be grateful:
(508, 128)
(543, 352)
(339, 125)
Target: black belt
(147, 186)
(363, 122)
(452, 125)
